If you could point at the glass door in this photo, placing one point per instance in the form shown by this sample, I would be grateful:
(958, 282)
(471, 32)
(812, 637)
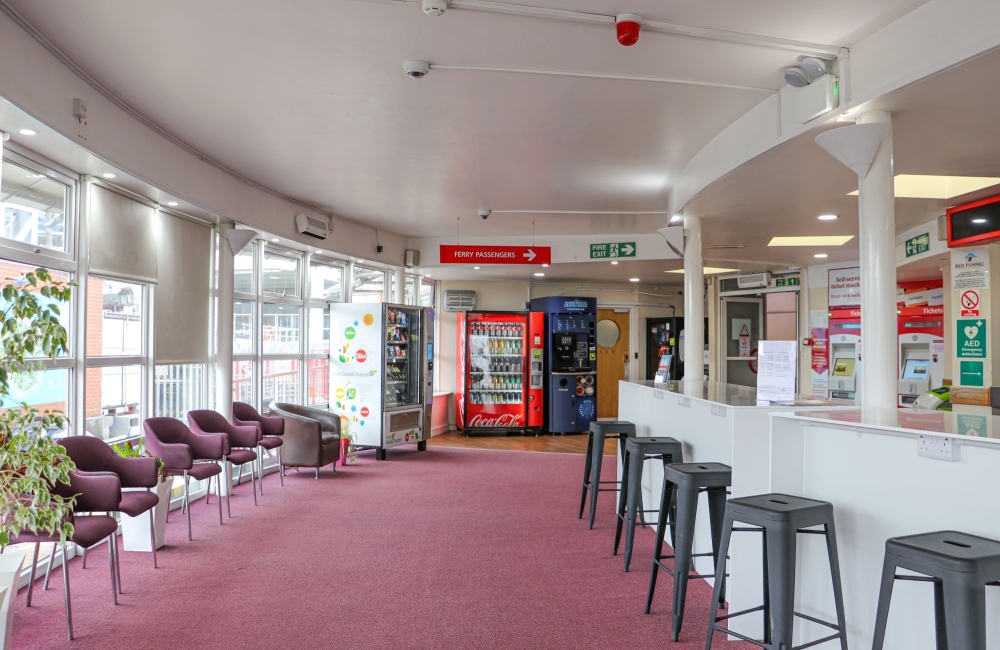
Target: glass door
(743, 319)
(402, 357)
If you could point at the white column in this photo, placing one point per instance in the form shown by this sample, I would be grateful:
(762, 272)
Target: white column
(877, 240)
(694, 301)
(224, 344)
(399, 294)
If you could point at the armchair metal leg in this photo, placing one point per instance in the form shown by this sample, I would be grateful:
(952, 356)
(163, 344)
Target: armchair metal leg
(48, 569)
(31, 574)
(118, 566)
(69, 609)
(152, 535)
(229, 490)
(317, 473)
(114, 582)
(253, 482)
(187, 505)
(281, 469)
(260, 468)
(83, 563)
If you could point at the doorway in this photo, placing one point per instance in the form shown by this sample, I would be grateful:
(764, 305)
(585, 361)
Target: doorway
(743, 318)
(613, 334)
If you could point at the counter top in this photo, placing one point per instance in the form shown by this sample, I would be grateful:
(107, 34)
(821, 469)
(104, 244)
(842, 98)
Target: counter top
(732, 395)
(967, 427)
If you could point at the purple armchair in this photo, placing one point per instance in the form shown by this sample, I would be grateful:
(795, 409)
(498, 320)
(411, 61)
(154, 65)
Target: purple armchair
(241, 442)
(94, 493)
(186, 454)
(271, 430)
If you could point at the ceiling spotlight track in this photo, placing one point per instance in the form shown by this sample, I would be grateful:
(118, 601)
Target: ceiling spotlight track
(601, 75)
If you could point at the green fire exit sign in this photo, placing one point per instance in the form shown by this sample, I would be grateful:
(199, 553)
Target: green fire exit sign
(919, 244)
(621, 249)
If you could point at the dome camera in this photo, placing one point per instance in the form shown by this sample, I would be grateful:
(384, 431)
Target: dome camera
(416, 69)
(484, 214)
(435, 7)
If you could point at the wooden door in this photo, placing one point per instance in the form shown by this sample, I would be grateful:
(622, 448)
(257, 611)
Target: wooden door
(612, 357)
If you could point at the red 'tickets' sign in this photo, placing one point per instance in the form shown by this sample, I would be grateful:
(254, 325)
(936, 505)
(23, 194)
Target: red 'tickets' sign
(496, 255)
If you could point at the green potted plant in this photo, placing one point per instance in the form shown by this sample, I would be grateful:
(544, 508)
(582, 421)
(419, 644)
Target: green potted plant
(347, 449)
(30, 461)
(135, 530)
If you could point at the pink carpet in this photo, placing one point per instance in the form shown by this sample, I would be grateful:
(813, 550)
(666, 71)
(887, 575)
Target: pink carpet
(448, 548)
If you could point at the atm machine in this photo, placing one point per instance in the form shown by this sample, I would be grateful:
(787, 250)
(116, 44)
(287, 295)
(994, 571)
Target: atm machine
(921, 352)
(845, 347)
(570, 401)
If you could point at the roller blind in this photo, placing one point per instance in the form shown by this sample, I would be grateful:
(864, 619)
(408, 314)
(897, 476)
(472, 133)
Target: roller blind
(183, 294)
(122, 236)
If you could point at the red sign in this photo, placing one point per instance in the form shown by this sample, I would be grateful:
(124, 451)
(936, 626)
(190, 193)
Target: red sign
(364, 411)
(361, 356)
(496, 255)
(970, 303)
(820, 358)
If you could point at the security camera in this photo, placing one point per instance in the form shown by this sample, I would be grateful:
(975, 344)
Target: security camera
(435, 7)
(484, 214)
(416, 69)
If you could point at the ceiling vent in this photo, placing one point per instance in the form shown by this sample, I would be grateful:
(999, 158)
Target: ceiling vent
(458, 300)
(312, 226)
(754, 280)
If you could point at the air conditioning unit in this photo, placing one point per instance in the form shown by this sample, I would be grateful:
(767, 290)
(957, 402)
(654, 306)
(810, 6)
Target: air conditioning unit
(754, 280)
(312, 226)
(459, 300)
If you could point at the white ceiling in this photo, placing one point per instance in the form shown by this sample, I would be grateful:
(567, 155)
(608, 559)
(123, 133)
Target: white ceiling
(308, 97)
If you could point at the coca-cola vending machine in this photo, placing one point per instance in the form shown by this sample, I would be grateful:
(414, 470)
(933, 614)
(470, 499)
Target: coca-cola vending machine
(499, 383)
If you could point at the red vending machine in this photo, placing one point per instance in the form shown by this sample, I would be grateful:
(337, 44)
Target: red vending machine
(499, 383)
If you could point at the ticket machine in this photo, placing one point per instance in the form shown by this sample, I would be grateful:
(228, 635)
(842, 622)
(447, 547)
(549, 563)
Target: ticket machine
(845, 346)
(921, 352)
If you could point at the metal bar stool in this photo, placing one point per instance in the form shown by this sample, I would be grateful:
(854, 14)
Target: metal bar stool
(780, 518)
(961, 566)
(637, 451)
(685, 482)
(599, 432)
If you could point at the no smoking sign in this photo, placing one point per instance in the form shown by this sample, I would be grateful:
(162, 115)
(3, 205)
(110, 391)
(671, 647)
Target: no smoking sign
(970, 303)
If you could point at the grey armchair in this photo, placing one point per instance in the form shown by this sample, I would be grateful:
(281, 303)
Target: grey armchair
(312, 436)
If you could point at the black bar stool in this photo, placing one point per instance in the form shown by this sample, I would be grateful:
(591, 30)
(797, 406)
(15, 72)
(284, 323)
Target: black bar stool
(961, 566)
(637, 451)
(599, 432)
(684, 482)
(780, 518)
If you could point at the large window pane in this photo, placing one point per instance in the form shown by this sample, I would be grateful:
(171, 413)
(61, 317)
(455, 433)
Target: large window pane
(243, 327)
(243, 381)
(114, 318)
(10, 271)
(114, 401)
(319, 381)
(281, 275)
(243, 272)
(326, 282)
(368, 285)
(281, 382)
(426, 294)
(178, 389)
(45, 390)
(281, 329)
(34, 208)
(319, 330)
(409, 290)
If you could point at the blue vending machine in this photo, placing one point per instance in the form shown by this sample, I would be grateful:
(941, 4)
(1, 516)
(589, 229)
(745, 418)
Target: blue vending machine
(570, 362)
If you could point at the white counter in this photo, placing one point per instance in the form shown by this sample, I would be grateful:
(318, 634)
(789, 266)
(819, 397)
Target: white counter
(865, 463)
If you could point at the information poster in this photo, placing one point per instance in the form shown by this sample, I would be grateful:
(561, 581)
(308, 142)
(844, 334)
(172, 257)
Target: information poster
(970, 269)
(844, 287)
(820, 362)
(776, 371)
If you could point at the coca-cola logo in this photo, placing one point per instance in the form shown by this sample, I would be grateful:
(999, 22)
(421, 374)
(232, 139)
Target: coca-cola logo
(505, 420)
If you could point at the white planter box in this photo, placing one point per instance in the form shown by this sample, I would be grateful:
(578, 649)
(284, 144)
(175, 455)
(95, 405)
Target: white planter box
(135, 530)
(10, 573)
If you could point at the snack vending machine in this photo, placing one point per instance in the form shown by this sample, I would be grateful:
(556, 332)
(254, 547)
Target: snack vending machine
(570, 362)
(499, 386)
(377, 374)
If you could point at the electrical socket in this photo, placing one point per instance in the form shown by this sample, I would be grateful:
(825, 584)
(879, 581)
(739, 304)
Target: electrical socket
(937, 448)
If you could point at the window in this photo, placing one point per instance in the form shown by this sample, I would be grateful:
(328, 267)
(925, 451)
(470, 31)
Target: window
(179, 389)
(243, 327)
(280, 329)
(326, 282)
(409, 291)
(45, 390)
(280, 382)
(243, 382)
(34, 208)
(243, 272)
(368, 285)
(281, 275)
(318, 363)
(426, 293)
(115, 362)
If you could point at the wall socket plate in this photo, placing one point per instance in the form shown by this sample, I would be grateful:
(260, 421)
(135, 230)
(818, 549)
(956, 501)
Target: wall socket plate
(937, 447)
(718, 409)
(684, 401)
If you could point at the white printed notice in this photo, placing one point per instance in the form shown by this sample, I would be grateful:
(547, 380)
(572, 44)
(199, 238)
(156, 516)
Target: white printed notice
(844, 287)
(776, 371)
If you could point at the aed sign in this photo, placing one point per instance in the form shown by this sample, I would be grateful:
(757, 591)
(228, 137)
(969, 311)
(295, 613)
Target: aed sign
(971, 338)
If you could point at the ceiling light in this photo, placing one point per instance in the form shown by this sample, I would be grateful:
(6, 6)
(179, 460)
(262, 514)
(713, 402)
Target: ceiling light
(109, 175)
(796, 77)
(708, 270)
(633, 279)
(820, 256)
(814, 67)
(475, 268)
(979, 220)
(172, 204)
(545, 266)
(539, 275)
(27, 132)
(827, 217)
(614, 261)
(274, 239)
(915, 186)
(824, 240)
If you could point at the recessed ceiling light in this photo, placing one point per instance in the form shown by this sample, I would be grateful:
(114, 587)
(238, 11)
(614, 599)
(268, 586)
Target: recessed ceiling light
(274, 239)
(633, 279)
(820, 255)
(915, 186)
(172, 204)
(545, 266)
(824, 240)
(614, 261)
(979, 220)
(109, 175)
(827, 217)
(708, 270)
(475, 268)
(539, 275)
(27, 132)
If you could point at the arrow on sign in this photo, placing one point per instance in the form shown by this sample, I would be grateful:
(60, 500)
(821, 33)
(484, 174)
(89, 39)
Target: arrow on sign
(530, 254)
(627, 249)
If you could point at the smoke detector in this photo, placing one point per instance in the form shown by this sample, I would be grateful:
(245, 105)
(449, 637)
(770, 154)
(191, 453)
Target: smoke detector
(627, 26)
(435, 7)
